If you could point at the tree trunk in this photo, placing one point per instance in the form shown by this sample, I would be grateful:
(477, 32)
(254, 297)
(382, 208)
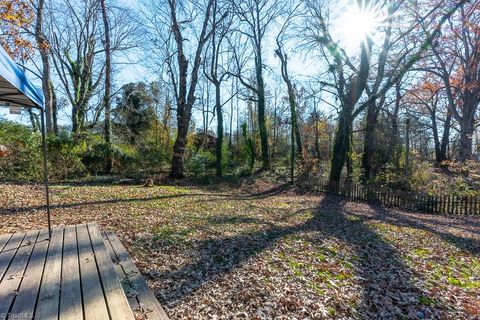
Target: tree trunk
(341, 145)
(207, 113)
(75, 122)
(262, 123)
(230, 135)
(436, 138)
(275, 133)
(466, 140)
(395, 149)
(317, 133)
(407, 147)
(295, 127)
(219, 145)
(445, 138)
(292, 152)
(291, 99)
(33, 120)
(106, 98)
(54, 108)
(43, 48)
(466, 131)
(180, 145)
(369, 142)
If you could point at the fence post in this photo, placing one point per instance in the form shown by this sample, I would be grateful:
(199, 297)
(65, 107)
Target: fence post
(444, 203)
(470, 202)
(456, 204)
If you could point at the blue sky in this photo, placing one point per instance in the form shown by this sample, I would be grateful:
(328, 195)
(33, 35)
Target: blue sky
(301, 66)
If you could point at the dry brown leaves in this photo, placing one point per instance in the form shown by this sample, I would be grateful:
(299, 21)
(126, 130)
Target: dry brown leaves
(262, 251)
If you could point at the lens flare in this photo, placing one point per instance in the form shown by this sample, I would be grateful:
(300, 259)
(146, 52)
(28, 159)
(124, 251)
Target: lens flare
(358, 23)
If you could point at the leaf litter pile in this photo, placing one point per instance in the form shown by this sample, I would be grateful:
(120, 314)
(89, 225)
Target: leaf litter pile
(260, 250)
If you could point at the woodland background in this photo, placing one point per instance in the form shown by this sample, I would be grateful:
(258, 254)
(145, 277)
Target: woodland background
(397, 110)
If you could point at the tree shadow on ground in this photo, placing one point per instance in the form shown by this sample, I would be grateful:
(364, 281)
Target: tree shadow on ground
(470, 245)
(254, 196)
(31, 209)
(388, 290)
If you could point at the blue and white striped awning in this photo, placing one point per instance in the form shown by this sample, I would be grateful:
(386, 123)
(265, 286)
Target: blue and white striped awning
(15, 88)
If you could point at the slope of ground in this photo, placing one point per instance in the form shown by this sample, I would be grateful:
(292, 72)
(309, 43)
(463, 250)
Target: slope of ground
(261, 251)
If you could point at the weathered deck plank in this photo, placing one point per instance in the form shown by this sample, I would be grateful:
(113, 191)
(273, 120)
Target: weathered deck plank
(117, 303)
(9, 252)
(71, 298)
(94, 305)
(49, 297)
(148, 303)
(70, 276)
(3, 240)
(14, 274)
(30, 286)
(127, 288)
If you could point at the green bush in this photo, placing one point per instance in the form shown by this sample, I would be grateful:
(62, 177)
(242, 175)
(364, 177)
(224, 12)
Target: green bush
(24, 160)
(392, 178)
(64, 155)
(96, 157)
(153, 157)
(200, 162)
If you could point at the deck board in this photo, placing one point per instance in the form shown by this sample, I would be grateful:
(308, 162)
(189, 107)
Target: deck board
(30, 285)
(147, 302)
(117, 303)
(71, 299)
(3, 240)
(13, 276)
(127, 287)
(49, 297)
(9, 252)
(92, 292)
(70, 276)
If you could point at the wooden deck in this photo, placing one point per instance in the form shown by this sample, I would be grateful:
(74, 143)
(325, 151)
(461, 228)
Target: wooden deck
(70, 276)
(141, 299)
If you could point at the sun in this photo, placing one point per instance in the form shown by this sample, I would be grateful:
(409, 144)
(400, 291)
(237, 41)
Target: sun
(357, 23)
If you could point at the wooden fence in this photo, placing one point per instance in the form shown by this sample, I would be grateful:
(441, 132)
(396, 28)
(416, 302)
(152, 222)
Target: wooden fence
(397, 199)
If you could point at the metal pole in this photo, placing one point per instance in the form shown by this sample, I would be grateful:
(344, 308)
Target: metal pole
(407, 147)
(45, 170)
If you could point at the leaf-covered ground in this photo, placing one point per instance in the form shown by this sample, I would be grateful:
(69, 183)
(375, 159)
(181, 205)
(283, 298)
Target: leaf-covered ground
(260, 251)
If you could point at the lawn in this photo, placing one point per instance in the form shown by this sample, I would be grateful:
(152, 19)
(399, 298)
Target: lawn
(260, 250)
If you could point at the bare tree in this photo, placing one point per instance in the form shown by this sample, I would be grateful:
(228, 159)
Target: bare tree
(282, 55)
(256, 16)
(181, 30)
(217, 73)
(43, 46)
(108, 86)
(457, 63)
(350, 81)
(78, 54)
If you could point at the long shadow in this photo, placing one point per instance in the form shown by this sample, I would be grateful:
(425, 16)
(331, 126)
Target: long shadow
(253, 196)
(388, 289)
(14, 210)
(463, 243)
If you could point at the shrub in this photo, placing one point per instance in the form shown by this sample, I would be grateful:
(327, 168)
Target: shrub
(64, 156)
(96, 157)
(200, 162)
(153, 157)
(24, 158)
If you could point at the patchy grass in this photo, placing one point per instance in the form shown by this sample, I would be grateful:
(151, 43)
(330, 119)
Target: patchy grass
(259, 250)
